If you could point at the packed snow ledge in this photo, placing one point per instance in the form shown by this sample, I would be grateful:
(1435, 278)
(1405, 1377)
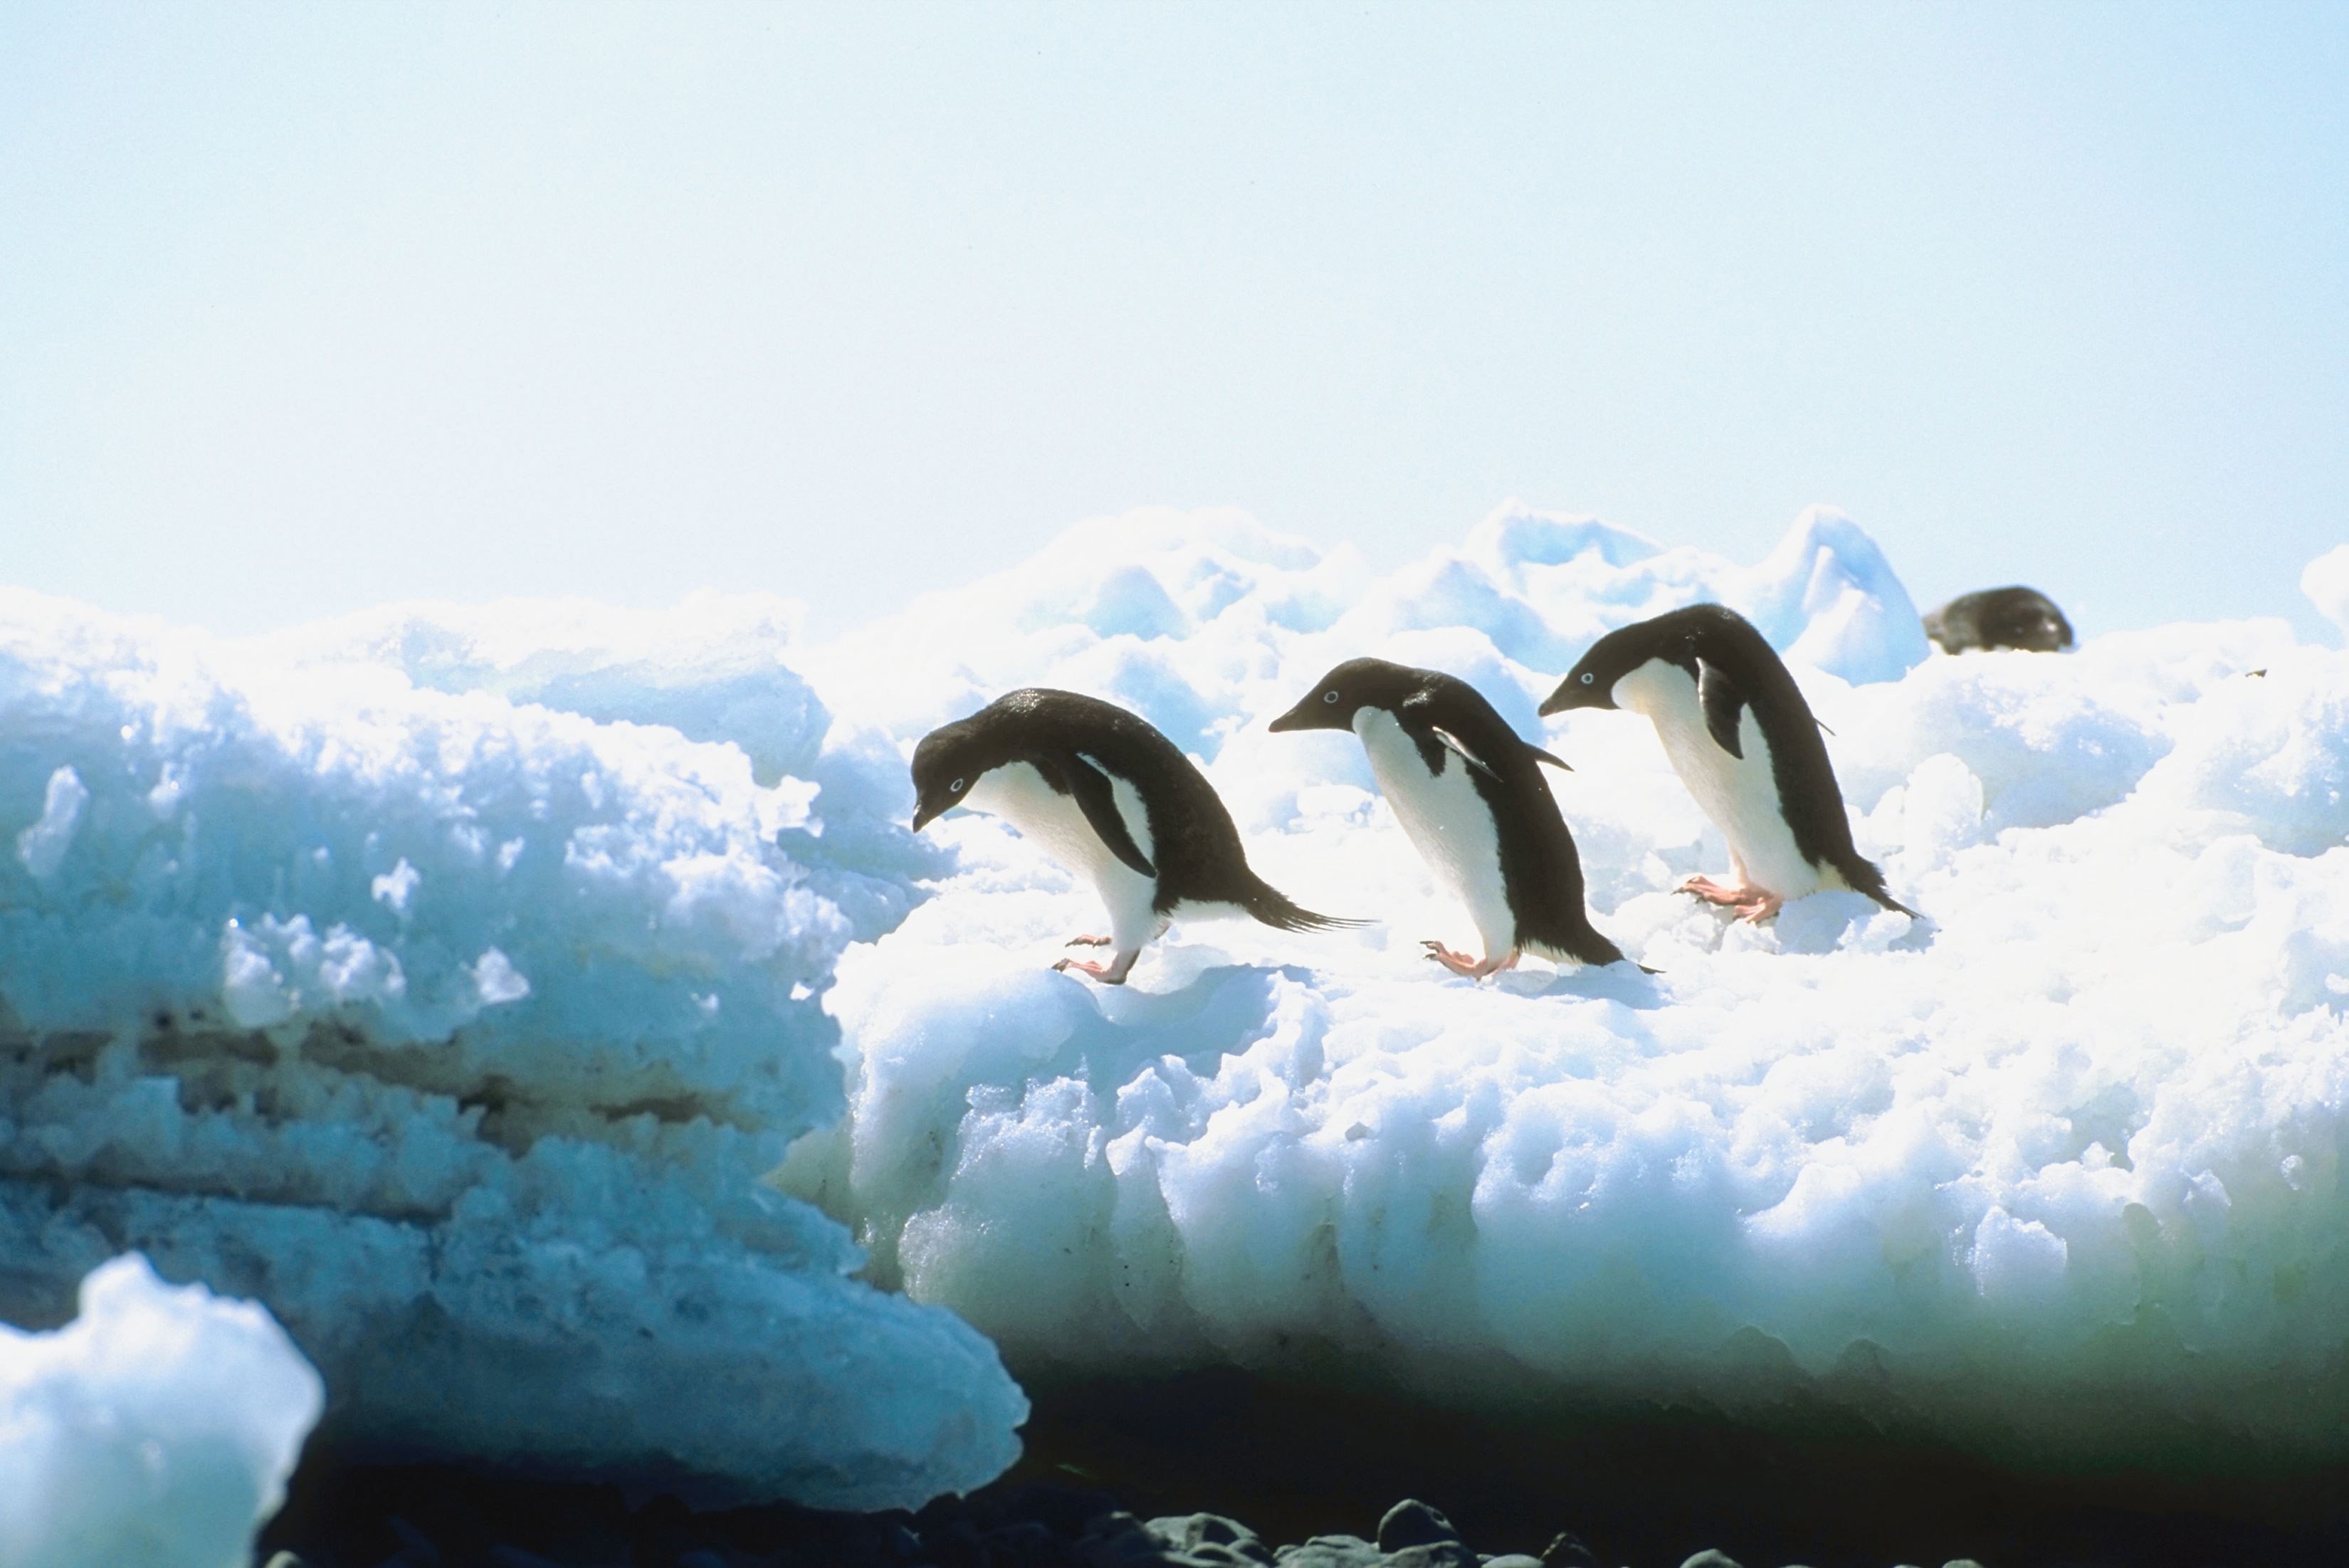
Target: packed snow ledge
(458, 1027)
(2059, 1171)
(447, 980)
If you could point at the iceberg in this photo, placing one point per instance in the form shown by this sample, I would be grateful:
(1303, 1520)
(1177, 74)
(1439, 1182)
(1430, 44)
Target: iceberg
(456, 1026)
(2057, 1172)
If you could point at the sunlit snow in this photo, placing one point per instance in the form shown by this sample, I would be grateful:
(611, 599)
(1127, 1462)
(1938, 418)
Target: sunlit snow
(446, 978)
(156, 1430)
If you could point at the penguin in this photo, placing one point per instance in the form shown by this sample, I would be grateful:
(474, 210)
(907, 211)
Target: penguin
(1745, 742)
(1108, 796)
(2016, 617)
(1470, 793)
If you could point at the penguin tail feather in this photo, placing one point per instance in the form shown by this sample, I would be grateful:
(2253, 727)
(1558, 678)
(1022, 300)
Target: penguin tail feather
(1867, 877)
(1269, 904)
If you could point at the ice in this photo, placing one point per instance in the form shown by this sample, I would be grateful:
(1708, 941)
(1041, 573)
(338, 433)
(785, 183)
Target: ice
(459, 1028)
(447, 978)
(156, 1430)
(2057, 1169)
(2325, 580)
(1828, 598)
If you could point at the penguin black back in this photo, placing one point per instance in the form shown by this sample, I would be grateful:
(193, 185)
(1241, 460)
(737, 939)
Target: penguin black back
(1446, 720)
(1736, 670)
(2012, 617)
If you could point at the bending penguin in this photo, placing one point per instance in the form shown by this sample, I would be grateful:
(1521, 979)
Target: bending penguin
(1470, 795)
(1108, 796)
(1742, 739)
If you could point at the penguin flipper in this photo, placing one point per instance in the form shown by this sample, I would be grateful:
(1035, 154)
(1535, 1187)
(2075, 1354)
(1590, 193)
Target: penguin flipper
(1453, 743)
(1097, 800)
(1721, 698)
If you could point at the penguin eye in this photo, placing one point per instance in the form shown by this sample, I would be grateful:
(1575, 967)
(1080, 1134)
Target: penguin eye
(1329, 696)
(955, 788)
(1585, 677)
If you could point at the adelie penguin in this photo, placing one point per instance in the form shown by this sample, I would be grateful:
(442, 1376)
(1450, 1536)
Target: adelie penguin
(1470, 793)
(1742, 739)
(1108, 796)
(2016, 617)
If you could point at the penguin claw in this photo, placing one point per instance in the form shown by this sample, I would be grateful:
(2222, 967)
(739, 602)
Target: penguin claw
(1751, 903)
(1088, 942)
(1467, 968)
(1114, 973)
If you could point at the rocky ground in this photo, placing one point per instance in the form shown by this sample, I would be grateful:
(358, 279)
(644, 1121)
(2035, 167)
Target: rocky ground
(453, 1519)
(1306, 1477)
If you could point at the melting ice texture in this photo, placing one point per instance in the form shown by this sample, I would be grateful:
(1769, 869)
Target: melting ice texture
(2059, 1172)
(156, 1430)
(457, 1028)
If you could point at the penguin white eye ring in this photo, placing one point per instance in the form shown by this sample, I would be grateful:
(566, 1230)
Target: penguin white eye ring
(955, 788)
(1329, 696)
(1588, 677)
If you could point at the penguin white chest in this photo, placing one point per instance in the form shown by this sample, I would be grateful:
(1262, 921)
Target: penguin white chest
(1018, 793)
(1448, 822)
(1739, 793)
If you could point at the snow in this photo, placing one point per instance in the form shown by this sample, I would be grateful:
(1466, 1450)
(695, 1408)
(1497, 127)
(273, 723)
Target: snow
(156, 1430)
(447, 978)
(458, 1029)
(2058, 1169)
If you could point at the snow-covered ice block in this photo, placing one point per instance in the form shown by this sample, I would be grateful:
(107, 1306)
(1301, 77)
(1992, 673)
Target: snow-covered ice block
(458, 1029)
(156, 1430)
(2058, 1169)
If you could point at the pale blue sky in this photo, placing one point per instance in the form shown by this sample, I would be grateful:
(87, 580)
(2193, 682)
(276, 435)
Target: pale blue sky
(303, 308)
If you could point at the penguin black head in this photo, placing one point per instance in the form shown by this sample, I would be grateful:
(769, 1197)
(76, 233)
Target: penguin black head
(1345, 691)
(1674, 637)
(952, 758)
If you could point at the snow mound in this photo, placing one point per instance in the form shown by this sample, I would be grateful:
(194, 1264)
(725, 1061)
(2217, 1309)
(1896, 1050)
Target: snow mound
(457, 1029)
(2325, 580)
(2060, 1168)
(154, 1432)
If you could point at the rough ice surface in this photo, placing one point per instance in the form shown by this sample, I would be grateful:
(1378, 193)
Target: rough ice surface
(156, 1430)
(2060, 1168)
(457, 1026)
(446, 979)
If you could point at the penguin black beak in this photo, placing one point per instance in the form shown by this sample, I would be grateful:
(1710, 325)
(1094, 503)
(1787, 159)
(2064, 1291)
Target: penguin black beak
(923, 816)
(1298, 717)
(1572, 694)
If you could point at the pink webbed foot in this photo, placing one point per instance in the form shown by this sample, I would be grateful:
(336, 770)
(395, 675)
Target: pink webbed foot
(1468, 968)
(1113, 973)
(1751, 903)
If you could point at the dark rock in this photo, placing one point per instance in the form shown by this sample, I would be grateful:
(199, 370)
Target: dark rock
(414, 1544)
(1432, 1554)
(1711, 1557)
(1030, 1544)
(1116, 1539)
(1567, 1550)
(1189, 1532)
(1329, 1551)
(1412, 1523)
(516, 1557)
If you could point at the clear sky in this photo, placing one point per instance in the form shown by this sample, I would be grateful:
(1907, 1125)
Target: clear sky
(307, 307)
